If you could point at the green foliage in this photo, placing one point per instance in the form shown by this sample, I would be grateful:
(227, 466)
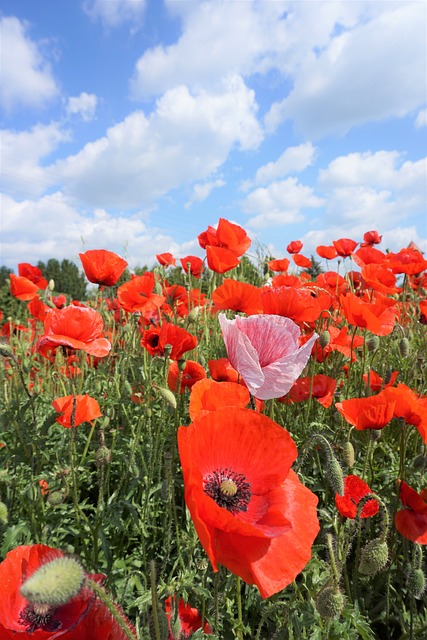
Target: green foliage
(66, 276)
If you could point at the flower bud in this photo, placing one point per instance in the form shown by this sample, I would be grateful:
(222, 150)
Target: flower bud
(404, 347)
(372, 343)
(55, 498)
(102, 456)
(334, 475)
(51, 284)
(348, 453)
(168, 396)
(324, 339)
(194, 314)
(55, 583)
(5, 350)
(4, 516)
(374, 557)
(330, 602)
(416, 582)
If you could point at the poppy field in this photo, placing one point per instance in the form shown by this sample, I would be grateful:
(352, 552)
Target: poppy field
(232, 446)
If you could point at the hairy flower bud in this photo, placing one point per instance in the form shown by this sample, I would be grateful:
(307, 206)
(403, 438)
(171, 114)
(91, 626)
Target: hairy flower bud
(324, 339)
(330, 602)
(51, 284)
(334, 475)
(168, 395)
(5, 350)
(102, 456)
(55, 498)
(404, 347)
(374, 557)
(416, 582)
(55, 583)
(3, 513)
(372, 343)
(348, 453)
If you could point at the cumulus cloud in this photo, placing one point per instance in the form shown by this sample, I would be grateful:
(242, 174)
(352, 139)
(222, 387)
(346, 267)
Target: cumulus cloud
(292, 160)
(202, 191)
(114, 13)
(83, 105)
(26, 75)
(421, 119)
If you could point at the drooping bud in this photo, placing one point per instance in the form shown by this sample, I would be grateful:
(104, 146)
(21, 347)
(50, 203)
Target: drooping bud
(55, 498)
(324, 339)
(330, 602)
(55, 583)
(372, 343)
(168, 395)
(348, 453)
(404, 347)
(374, 557)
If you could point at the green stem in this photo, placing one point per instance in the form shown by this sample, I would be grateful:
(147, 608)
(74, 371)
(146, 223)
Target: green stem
(109, 604)
(239, 608)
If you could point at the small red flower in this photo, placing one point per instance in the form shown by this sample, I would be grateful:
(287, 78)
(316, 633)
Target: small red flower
(237, 296)
(327, 252)
(102, 267)
(370, 238)
(166, 259)
(222, 370)
(319, 386)
(44, 487)
(180, 341)
(378, 317)
(75, 410)
(279, 265)
(367, 413)
(194, 264)
(193, 372)
(302, 261)
(294, 247)
(22, 288)
(411, 522)
(354, 490)
(32, 273)
(344, 247)
(189, 618)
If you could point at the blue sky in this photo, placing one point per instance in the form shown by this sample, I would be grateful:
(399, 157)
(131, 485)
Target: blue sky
(131, 125)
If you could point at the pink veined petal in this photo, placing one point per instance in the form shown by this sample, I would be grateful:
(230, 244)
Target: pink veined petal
(272, 336)
(241, 353)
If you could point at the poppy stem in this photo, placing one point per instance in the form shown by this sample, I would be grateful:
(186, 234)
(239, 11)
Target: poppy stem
(239, 608)
(109, 604)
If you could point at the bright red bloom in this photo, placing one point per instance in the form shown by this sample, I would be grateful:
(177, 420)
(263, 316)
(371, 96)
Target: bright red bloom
(166, 259)
(250, 510)
(376, 383)
(379, 278)
(224, 245)
(22, 288)
(237, 296)
(319, 386)
(32, 273)
(370, 238)
(38, 309)
(279, 265)
(44, 487)
(209, 395)
(75, 410)
(412, 521)
(60, 301)
(299, 304)
(220, 259)
(378, 317)
(354, 490)
(155, 340)
(189, 618)
(222, 370)
(302, 261)
(344, 247)
(136, 296)
(74, 328)
(294, 247)
(84, 617)
(102, 267)
(374, 412)
(193, 372)
(409, 406)
(194, 264)
(340, 341)
(409, 261)
(327, 252)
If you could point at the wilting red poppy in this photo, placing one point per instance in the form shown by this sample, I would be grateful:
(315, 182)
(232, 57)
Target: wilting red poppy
(344, 247)
(319, 386)
(102, 267)
(75, 410)
(411, 522)
(180, 341)
(379, 317)
(370, 238)
(294, 247)
(237, 296)
(354, 490)
(194, 264)
(265, 350)
(189, 619)
(74, 328)
(193, 371)
(209, 395)
(327, 252)
(83, 617)
(22, 288)
(250, 510)
(279, 265)
(302, 261)
(32, 273)
(222, 370)
(367, 413)
(409, 406)
(166, 259)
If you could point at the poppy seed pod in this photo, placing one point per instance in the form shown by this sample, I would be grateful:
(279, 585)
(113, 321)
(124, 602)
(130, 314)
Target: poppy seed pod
(55, 583)
(374, 557)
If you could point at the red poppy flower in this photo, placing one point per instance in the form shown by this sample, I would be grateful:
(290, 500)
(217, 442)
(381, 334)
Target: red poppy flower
(423, 311)
(367, 413)
(44, 487)
(412, 521)
(60, 301)
(166, 259)
(279, 265)
(22, 288)
(302, 261)
(228, 236)
(189, 619)
(409, 261)
(319, 386)
(379, 278)
(75, 410)
(298, 304)
(74, 328)
(237, 296)
(136, 296)
(193, 372)
(370, 238)
(286, 280)
(344, 247)
(222, 370)
(180, 341)
(340, 341)
(294, 247)
(379, 317)
(209, 395)
(102, 267)
(409, 406)
(376, 383)
(327, 252)
(250, 510)
(354, 490)
(193, 264)
(38, 309)
(32, 273)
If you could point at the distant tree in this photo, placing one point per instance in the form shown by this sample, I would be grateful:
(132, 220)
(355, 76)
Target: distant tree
(4, 274)
(315, 269)
(67, 277)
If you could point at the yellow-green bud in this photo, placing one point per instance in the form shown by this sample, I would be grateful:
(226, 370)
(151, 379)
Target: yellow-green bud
(55, 583)
(3, 513)
(51, 284)
(374, 557)
(348, 453)
(324, 339)
(168, 396)
(330, 602)
(55, 498)
(194, 314)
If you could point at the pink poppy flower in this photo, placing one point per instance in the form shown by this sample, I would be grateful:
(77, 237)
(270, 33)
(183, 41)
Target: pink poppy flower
(265, 350)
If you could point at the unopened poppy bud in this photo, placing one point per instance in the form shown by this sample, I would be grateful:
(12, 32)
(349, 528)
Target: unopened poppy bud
(128, 387)
(3, 513)
(55, 498)
(158, 288)
(194, 314)
(348, 453)
(102, 456)
(324, 339)
(387, 376)
(372, 343)
(416, 582)
(168, 396)
(5, 350)
(374, 557)
(55, 583)
(334, 475)
(105, 422)
(404, 347)
(163, 625)
(330, 602)
(51, 284)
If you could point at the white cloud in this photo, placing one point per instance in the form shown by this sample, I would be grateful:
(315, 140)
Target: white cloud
(83, 105)
(186, 138)
(421, 120)
(202, 191)
(26, 75)
(374, 71)
(292, 160)
(114, 13)
(280, 203)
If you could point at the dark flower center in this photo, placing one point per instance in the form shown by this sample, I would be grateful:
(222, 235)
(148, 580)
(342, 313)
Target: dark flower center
(39, 616)
(230, 490)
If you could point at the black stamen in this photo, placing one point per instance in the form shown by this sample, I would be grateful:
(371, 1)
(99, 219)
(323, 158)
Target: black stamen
(34, 618)
(233, 501)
